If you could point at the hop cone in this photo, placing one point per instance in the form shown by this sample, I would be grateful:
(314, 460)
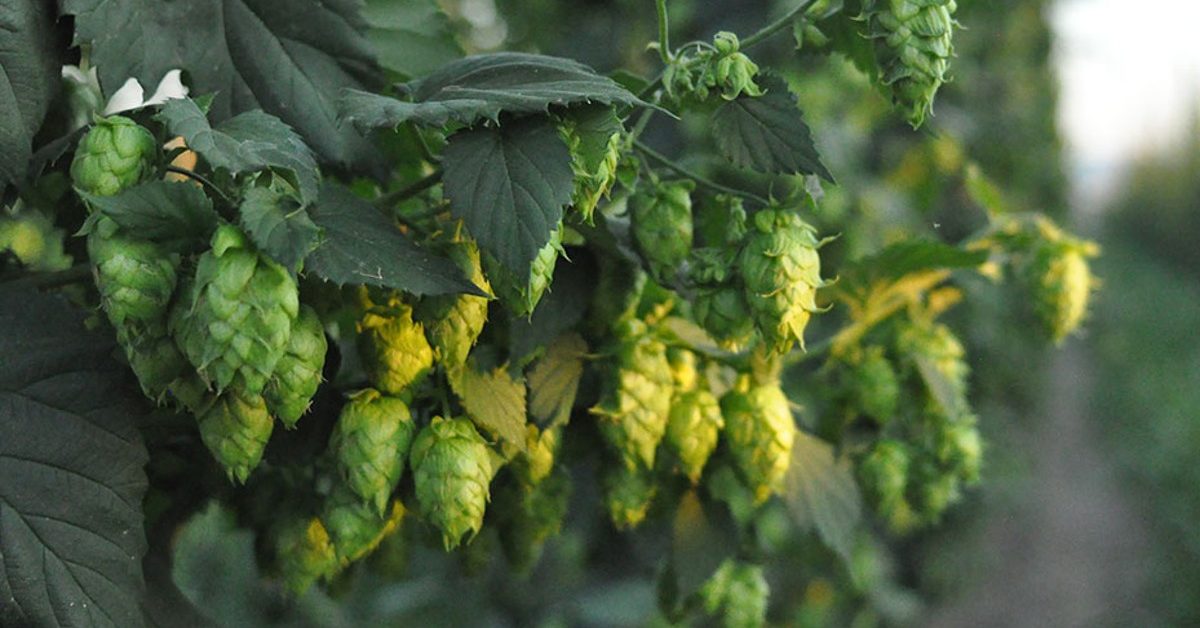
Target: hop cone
(730, 70)
(370, 443)
(356, 528)
(298, 373)
(662, 226)
(935, 345)
(874, 385)
(781, 271)
(234, 322)
(740, 591)
(636, 400)
(236, 427)
(305, 554)
(693, 429)
(452, 470)
(933, 491)
(393, 347)
(628, 493)
(114, 155)
(1062, 285)
(724, 313)
(760, 432)
(593, 163)
(959, 448)
(535, 463)
(521, 294)
(529, 516)
(914, 46)
(453, 322)
(684, 375)
(884, 475)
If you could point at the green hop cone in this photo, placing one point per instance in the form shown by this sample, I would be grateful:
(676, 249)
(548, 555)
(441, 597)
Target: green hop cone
(635, 404)
(959, 448)
(158, 365)
(356, 528)
(370, 443)
(298, 373)
(235, 319)
(522, 294)
(932, 491)
(914, 43)
(537, 461)
(781, 271)
(453, 322)
(628, 494)
(720, 305)
(884, 476)
(529, 516)
(730, 70)
(662, 226)
(114, 155)
(595, 154)
(393, 346)
(305, 554)
(693, 429)
(760, 432)
(934, 346)
(452, 469)
(740, 592)
(236, 427)
(1062, 285)
(875, 388)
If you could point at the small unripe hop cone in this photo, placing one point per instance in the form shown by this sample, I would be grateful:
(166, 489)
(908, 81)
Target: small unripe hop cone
(1062, 284)
(453, 322)
(298, 373)
(236, 428)
(114, 155)
(662, 226)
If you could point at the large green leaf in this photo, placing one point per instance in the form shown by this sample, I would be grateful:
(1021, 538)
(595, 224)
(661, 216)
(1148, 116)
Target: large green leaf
(509, 184)
(71, 478)
(361, 246)
(822, 493)
(767, 133)
(290, 59)
(163, 211)
(484, 86)
(29, 77)
(411, 37)
(249, 142)
(279, 225)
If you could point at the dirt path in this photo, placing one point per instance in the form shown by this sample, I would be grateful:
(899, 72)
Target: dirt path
(1071, 554)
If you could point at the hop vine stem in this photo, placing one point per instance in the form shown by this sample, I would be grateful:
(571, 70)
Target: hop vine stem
(409, 191)
(767, 31)
(712, 185)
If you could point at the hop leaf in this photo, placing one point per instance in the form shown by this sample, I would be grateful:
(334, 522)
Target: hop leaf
(522, 294)
(1062, 284)
(594, 138)
(453, 322)
(393, 346)
(662, 226)
(298, 374)
(356, 528)
(452, 470)
(913, 46)
(636, 401)
(693, 429)
(236, 427)
(113, 156)
(370, 442)
(305, 554)
(781, 270)
(760, 432)
(740, 591)
(234, 322)
(628, 493)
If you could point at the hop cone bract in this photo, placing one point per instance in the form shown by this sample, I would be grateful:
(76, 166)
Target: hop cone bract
(370, 443)
(760, 432)
(114, 155)
(914, 46)
(636, 400)
(593, 163)
(298, 373)
(781, 270)
(452, 470)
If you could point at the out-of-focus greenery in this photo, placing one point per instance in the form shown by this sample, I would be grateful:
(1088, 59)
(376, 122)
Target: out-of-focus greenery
(1148, 361)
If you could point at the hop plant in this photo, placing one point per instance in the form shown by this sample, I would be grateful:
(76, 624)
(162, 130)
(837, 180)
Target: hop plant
(662, 226)
(692, 431)
(298, 373)
(357, 528)
(760, 432)
(522, 294)
(781, 270)
(1062, 284)
(453, 322)
(739, 591)
(884, 474)
(234, 321)
(874, 386)
(530, 515)
(236, 427)
(394, 350)
(305, 554)
(628, 494)
(114, 155)
(913, 46)
(636, 401)
(370, 443)
(729, 70)
(594, 162)
(452, 469)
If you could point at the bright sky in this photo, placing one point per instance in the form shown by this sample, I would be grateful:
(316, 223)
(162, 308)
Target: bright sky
(1130, 72)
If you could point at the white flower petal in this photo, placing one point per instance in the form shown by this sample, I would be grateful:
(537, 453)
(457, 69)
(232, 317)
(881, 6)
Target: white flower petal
(169, 87)
(130, 96)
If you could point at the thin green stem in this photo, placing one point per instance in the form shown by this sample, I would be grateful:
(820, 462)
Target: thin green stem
(423, 146)
(56, 279)
(708, 183)
(767, 31)
(664, 38)
(407, 192)
(203, 181)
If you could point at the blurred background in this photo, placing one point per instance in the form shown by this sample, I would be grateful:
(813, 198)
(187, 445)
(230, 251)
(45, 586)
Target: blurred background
(1087, 110)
